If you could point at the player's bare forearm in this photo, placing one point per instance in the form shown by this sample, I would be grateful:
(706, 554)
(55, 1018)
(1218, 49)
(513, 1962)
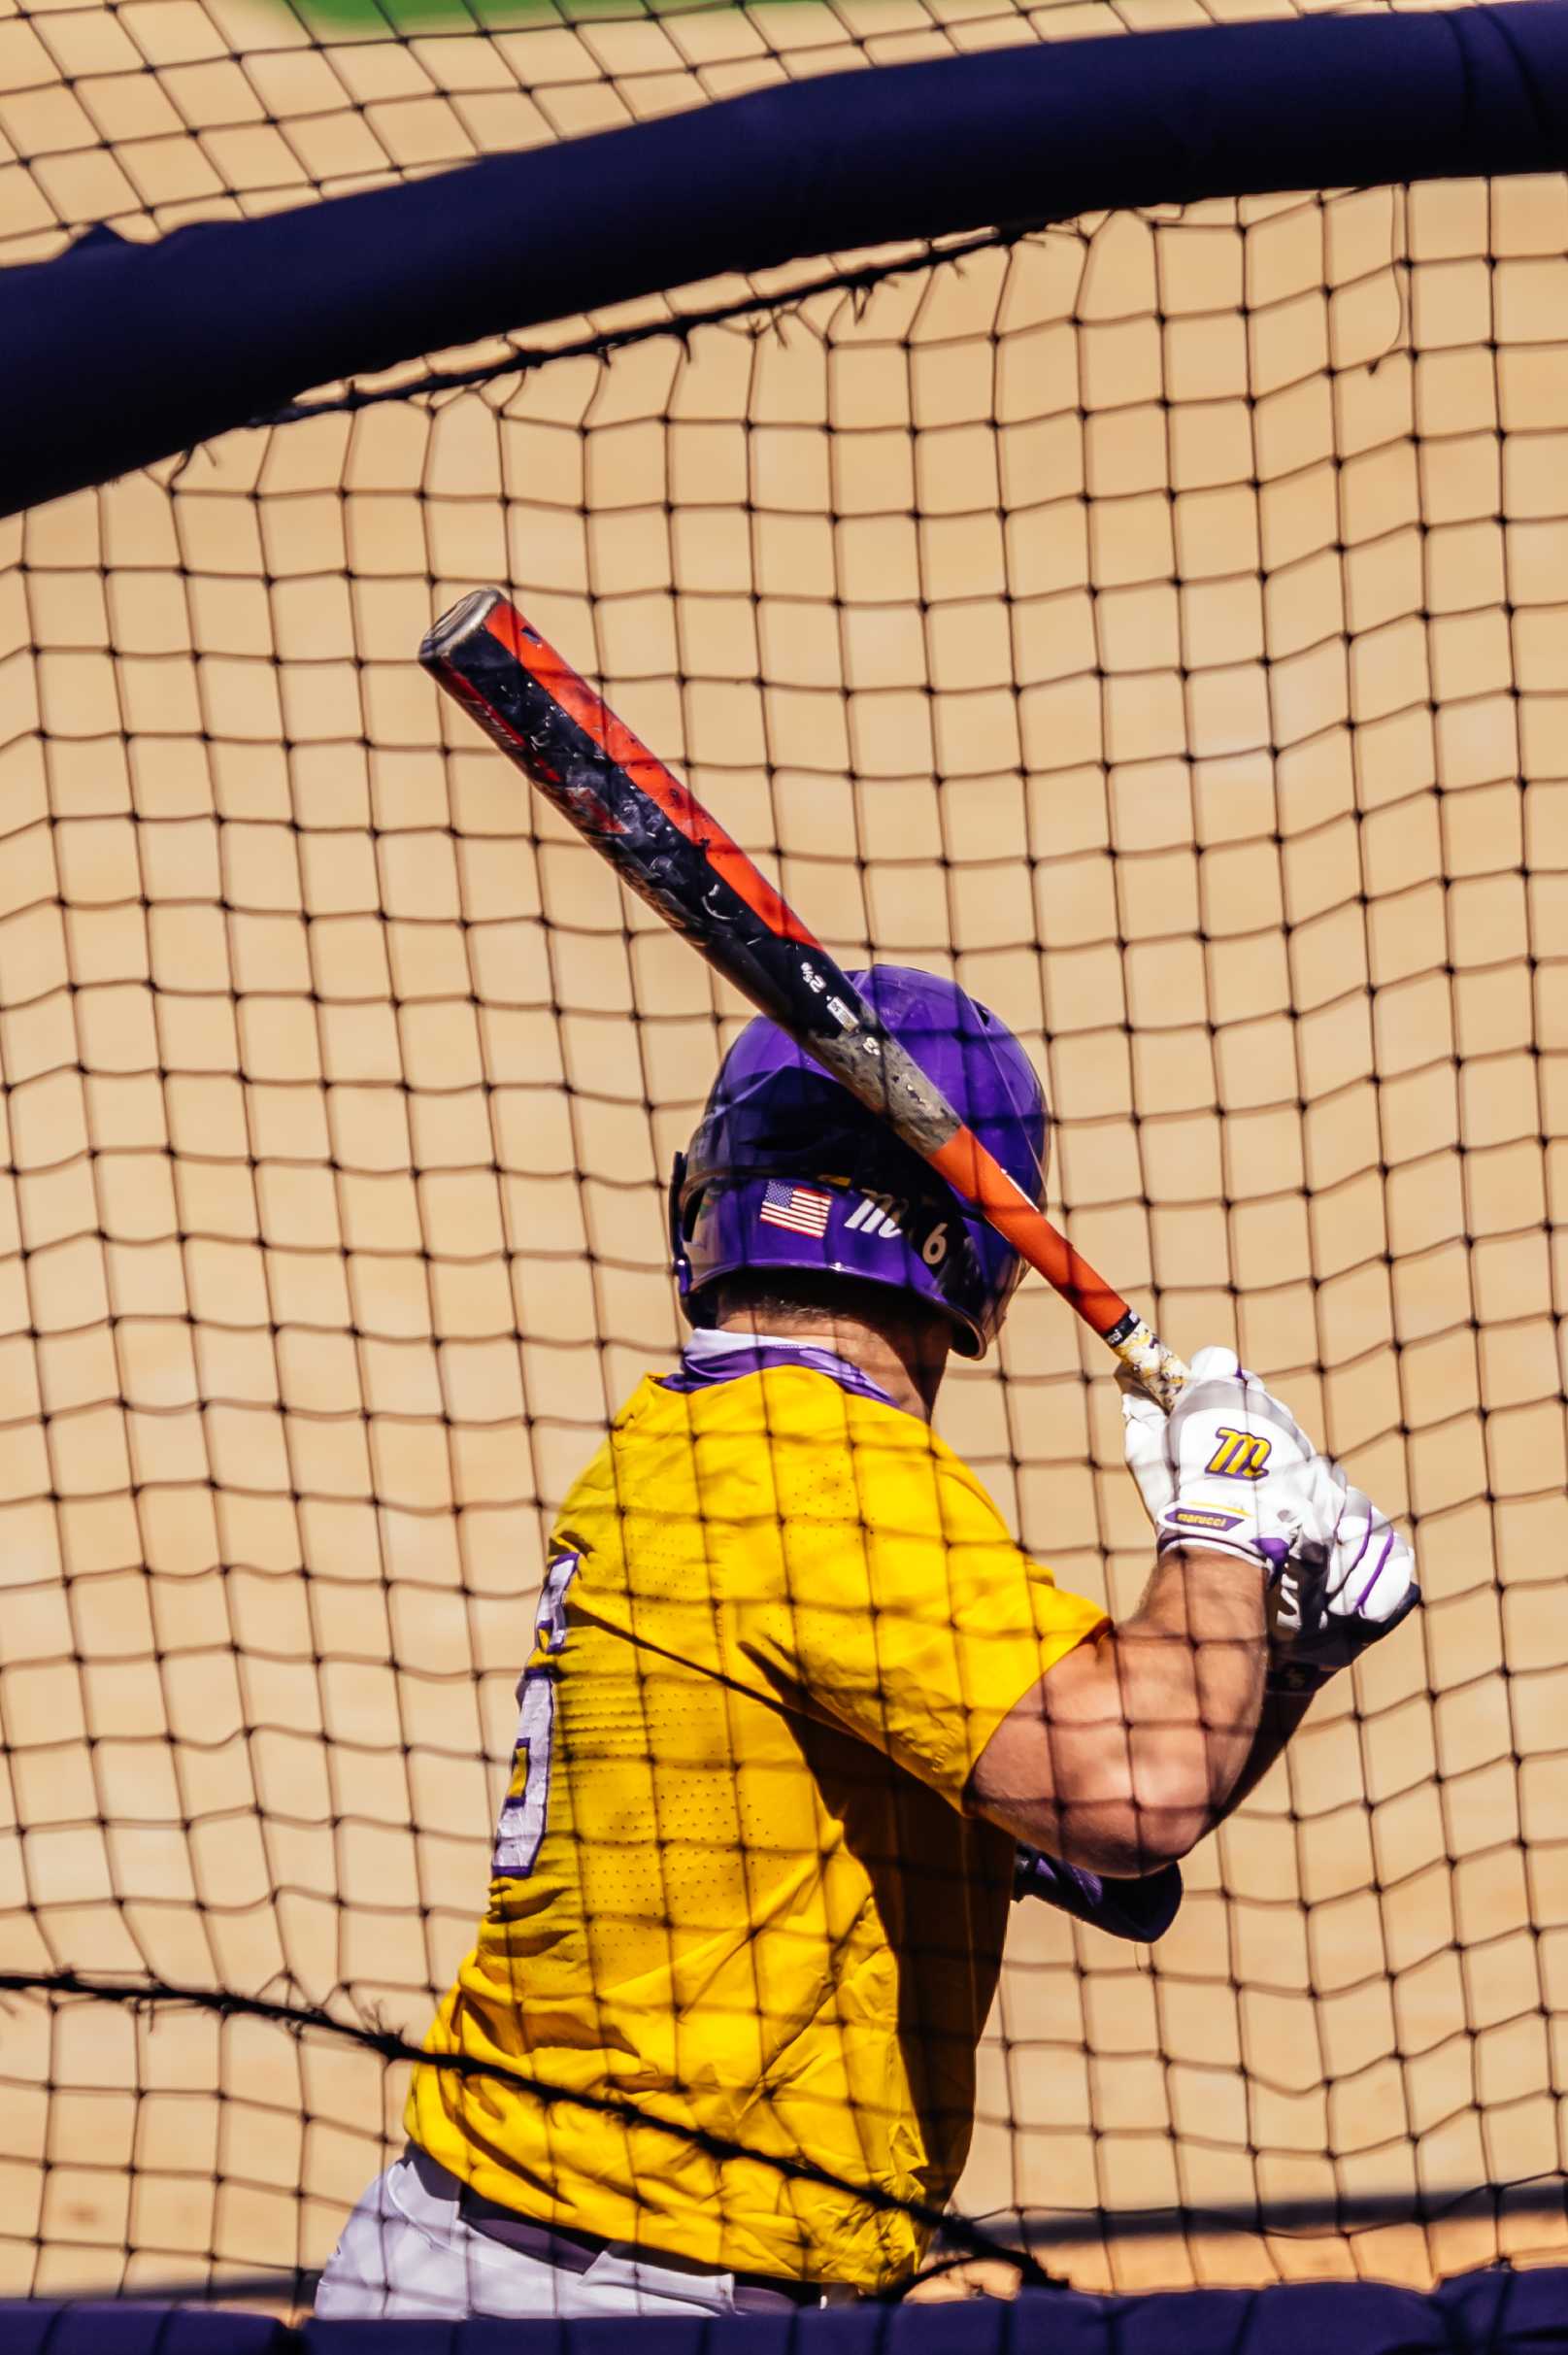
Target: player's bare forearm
(1135, 1744)
(1278, 1720)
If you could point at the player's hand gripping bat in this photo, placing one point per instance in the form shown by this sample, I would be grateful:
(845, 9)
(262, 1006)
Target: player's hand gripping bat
(665, 846)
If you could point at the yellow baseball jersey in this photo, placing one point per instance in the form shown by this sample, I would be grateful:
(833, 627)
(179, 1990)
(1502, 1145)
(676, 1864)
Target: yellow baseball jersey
(735, 1891)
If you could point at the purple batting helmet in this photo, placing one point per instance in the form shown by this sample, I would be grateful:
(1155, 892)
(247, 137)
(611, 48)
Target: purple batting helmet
(787, 1170)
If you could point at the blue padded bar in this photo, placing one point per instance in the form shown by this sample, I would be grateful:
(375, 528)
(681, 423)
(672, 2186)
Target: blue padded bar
(115, 355)
(119, 2327)
(1494, 2312)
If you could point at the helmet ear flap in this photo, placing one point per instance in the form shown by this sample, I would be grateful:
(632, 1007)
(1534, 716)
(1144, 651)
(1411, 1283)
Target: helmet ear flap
(680, 1257)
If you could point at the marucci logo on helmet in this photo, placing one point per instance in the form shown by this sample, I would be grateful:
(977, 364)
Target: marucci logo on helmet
(878, 1214)
(885, 1218)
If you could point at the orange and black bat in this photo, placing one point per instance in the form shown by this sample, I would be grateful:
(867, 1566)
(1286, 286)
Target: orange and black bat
(662, 842)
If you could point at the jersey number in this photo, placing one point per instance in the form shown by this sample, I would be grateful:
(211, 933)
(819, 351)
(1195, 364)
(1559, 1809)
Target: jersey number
(520, 1830)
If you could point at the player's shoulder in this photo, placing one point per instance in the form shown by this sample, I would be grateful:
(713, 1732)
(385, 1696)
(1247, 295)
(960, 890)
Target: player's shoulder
(785, 1439)
(813, 1442)
(787, 1447)
(899, 1470)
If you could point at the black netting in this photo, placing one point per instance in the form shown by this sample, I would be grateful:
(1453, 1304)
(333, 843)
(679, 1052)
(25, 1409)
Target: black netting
(1153, 622)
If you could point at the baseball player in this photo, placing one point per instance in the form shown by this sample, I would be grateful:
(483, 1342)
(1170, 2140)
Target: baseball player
(798, 1718)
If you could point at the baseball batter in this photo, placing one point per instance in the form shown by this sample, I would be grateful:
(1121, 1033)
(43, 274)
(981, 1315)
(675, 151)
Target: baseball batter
(798, 1718)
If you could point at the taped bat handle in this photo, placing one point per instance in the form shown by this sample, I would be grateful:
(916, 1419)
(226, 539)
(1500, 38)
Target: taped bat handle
(964, 1161)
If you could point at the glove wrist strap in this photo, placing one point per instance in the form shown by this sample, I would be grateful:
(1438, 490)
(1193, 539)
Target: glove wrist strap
(1240, 1544)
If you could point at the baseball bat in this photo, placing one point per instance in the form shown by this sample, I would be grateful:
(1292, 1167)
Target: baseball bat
(661, 842)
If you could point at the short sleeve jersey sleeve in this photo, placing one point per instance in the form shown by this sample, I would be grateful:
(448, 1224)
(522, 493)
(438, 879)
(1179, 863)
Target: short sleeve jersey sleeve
(896, 1602)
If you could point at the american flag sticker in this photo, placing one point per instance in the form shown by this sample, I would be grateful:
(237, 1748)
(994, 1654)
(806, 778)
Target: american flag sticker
(800, 1208)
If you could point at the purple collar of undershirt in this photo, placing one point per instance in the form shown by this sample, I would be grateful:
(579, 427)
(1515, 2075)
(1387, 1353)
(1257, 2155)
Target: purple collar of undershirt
(703, 1366)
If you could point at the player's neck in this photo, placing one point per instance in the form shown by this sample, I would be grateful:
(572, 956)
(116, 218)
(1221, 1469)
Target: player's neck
(904, 1358)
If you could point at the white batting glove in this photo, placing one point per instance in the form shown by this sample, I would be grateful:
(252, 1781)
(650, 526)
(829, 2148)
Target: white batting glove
(1341, 1576)
(1223, 1471)
(1144, 1445)
(1328, 1605)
